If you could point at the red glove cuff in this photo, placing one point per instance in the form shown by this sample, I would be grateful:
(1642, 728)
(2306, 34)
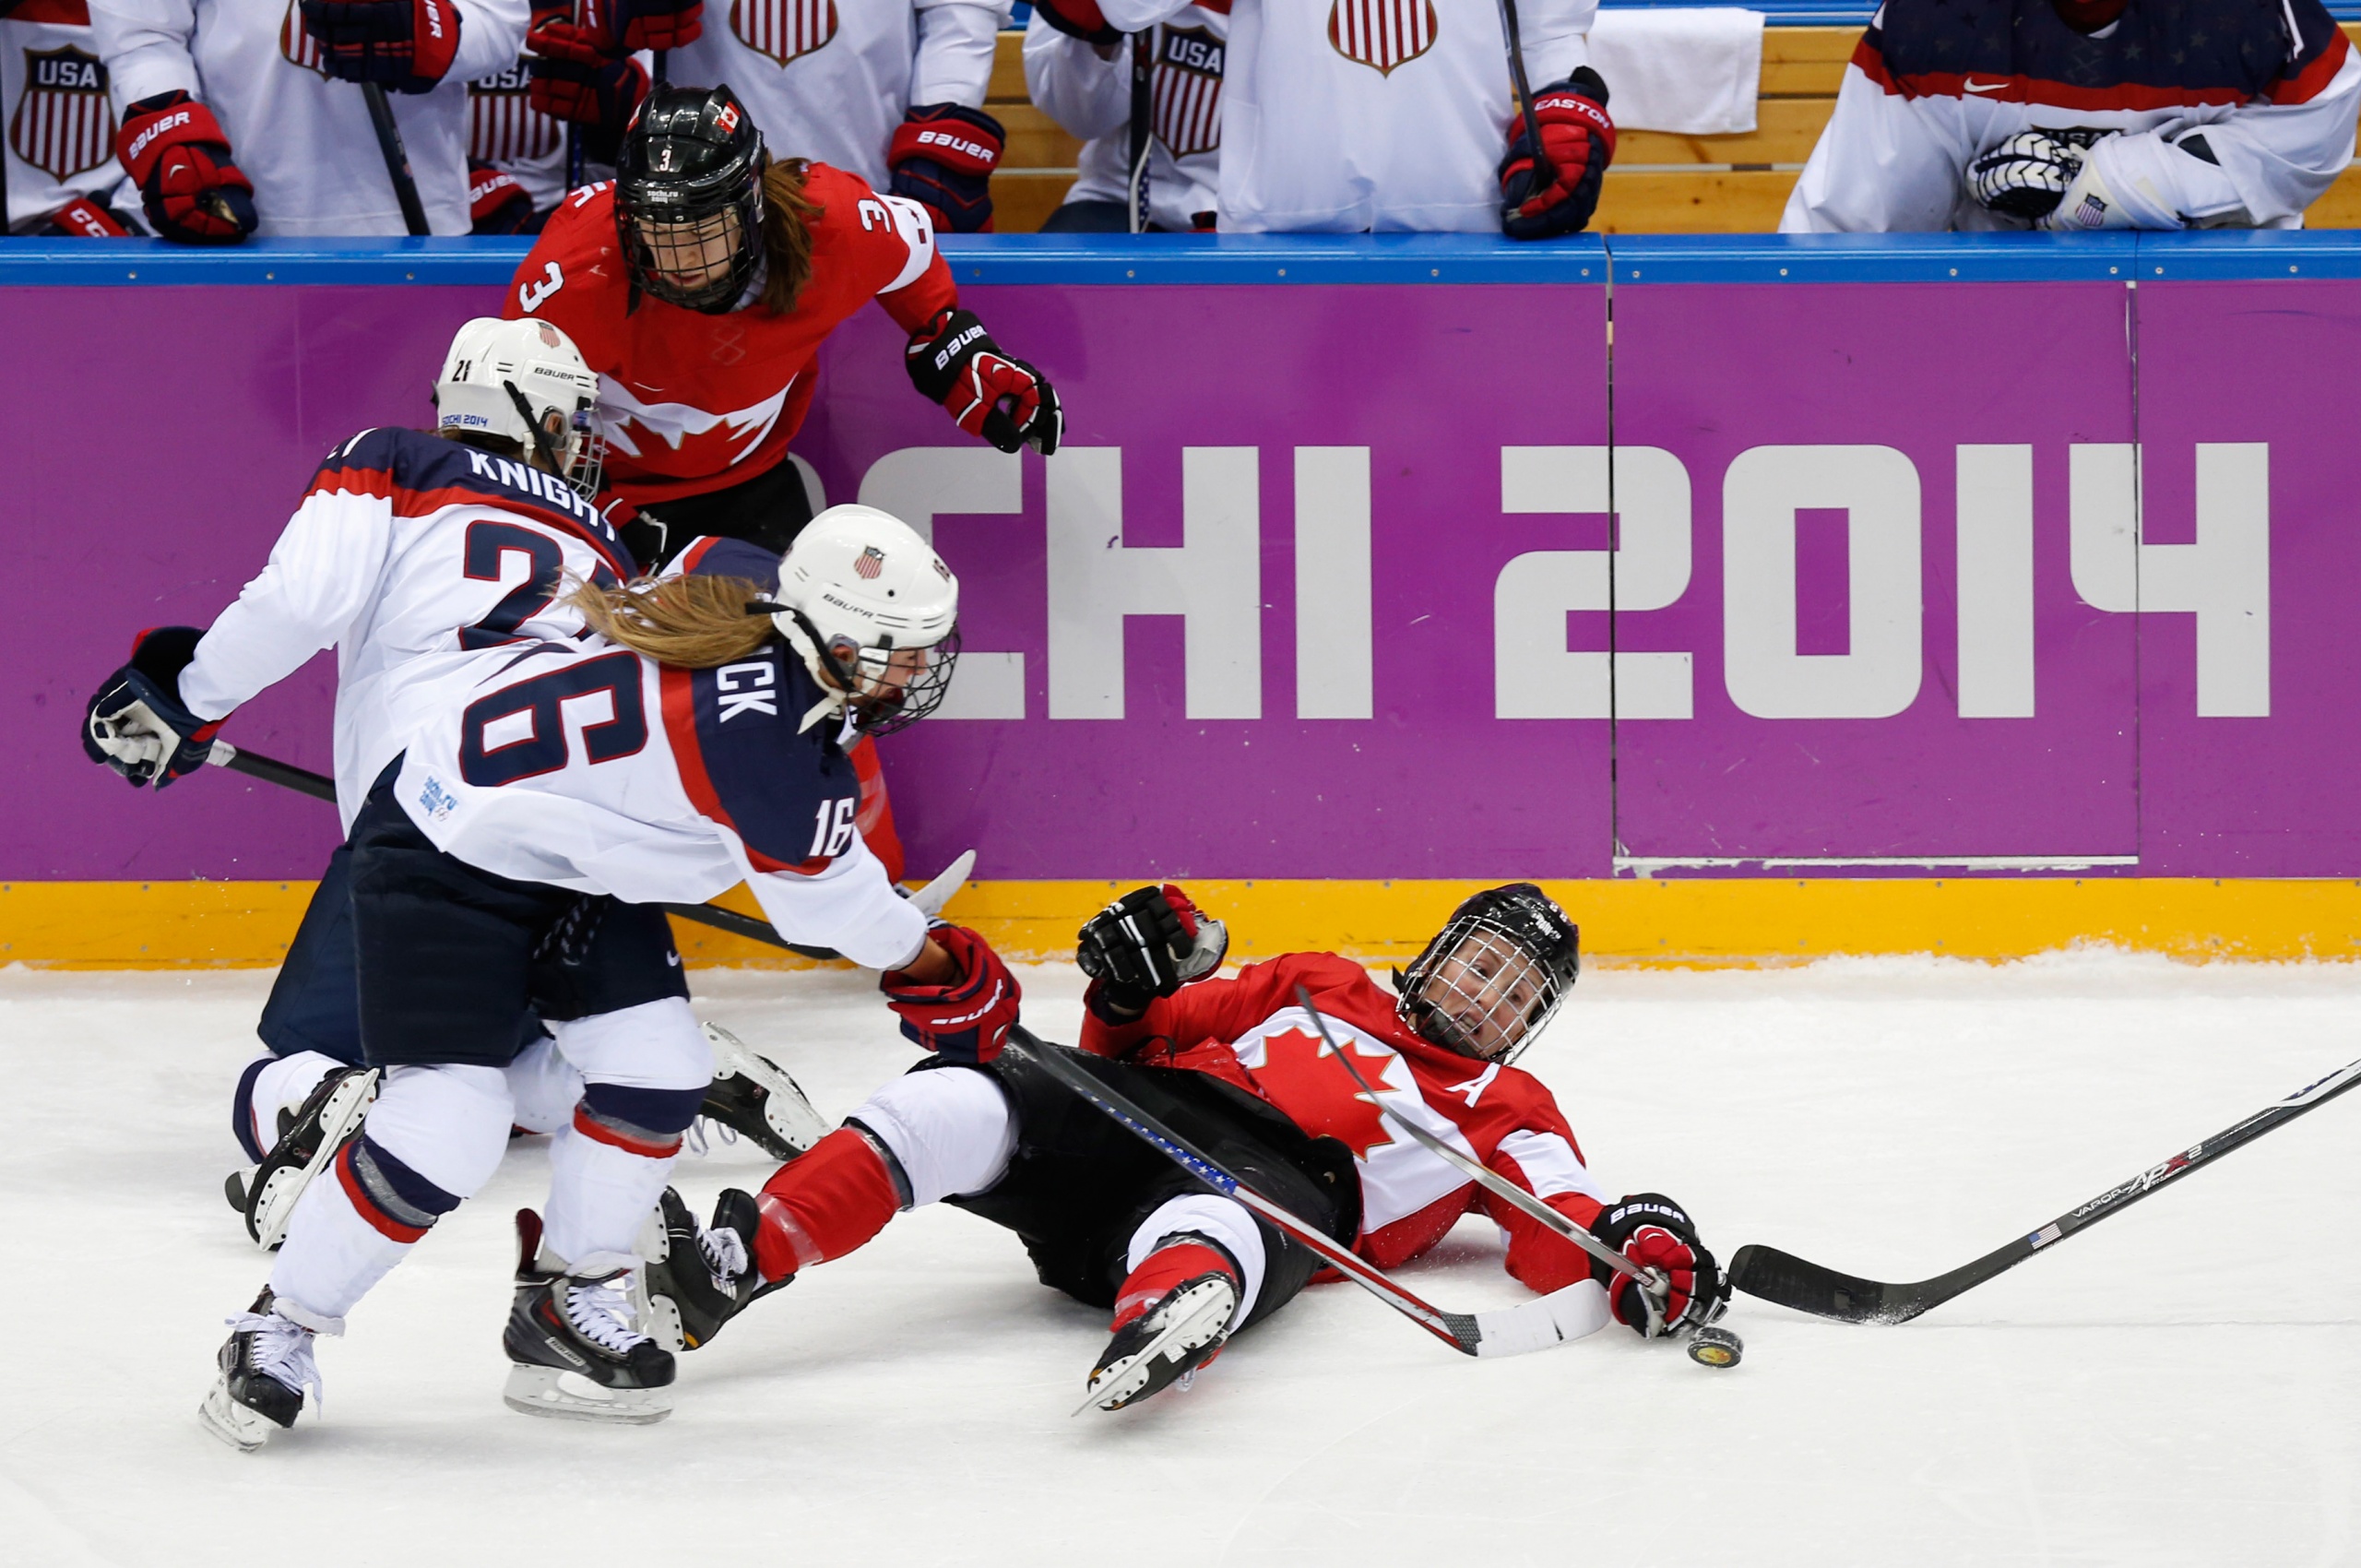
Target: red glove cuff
(145, 138)
(1078, 18)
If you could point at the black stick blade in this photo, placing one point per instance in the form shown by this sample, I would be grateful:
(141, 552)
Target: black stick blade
(1790, 1281)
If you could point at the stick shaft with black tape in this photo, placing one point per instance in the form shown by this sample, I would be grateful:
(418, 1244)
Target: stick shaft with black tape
(389, 145)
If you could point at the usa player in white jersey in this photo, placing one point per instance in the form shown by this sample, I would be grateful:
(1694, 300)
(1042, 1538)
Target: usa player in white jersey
(240, 116)
(1086, 88)
(60, 172)
(892, 90)
(2072, 115)
(1342, 117)
(548, 782)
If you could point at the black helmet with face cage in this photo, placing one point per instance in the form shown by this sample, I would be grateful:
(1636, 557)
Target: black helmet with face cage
(691, 155)
(1522, 926)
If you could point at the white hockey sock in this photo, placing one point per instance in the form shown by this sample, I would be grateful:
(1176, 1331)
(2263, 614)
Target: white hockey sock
(600, 1194)
(332, 1257)
(434, 1137)
(1222, 1219)
(285, 1083)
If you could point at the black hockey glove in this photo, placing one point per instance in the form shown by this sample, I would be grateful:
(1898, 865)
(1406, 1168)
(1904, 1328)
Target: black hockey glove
(1149, 943)
(1655, 1232)
(2025, 175)
(137, 724)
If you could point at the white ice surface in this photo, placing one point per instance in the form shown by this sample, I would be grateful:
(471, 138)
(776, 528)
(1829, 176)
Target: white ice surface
(2177, 1386)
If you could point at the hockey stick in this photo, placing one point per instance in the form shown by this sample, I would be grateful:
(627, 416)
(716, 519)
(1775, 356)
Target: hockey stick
(389, 145)
(1708, 1346)
(1545, 174)
(304, 781)
(1142, 111)
(1791, 1281)
(1539, 1324)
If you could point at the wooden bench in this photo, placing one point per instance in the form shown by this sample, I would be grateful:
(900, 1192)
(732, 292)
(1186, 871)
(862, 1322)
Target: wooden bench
(1660, 184)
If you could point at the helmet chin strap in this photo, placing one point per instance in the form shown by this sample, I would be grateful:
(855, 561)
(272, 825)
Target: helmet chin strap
(533, 428)
(834, 698)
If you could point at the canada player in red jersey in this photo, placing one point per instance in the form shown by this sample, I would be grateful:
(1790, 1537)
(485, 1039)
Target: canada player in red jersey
(1239, 1067)
(700, 284)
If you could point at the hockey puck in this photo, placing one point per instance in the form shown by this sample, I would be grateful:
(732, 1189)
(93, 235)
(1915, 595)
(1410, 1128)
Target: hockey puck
(1716, 1347)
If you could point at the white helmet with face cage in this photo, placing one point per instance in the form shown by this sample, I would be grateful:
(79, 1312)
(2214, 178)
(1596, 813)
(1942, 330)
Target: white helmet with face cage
(873, 612)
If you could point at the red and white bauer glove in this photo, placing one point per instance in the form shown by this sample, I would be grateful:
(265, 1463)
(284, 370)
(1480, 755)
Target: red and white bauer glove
(943, 156)
(404, 44)
(581, 75)
(496, 202)
(966, 1019)
(1655, 1232)
(1579, 140)
(175, 153)
(953, 362)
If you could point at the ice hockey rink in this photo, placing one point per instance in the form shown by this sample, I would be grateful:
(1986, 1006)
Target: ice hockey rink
(2176, 1386)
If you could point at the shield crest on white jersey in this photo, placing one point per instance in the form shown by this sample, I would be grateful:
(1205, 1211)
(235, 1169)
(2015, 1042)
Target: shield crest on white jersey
(1382, 34)
(784, 29)
(64, 124)
(1187, 87)
(298, 47)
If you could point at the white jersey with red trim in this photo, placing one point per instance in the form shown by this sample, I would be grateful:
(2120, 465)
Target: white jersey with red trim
(506, 131)
(584, 765)
(1250, 1030)
(60, 123)
(302, 138)
(410, 554)
(2231, 112)
(1345, 115)
(1091, 98)
(829, 79)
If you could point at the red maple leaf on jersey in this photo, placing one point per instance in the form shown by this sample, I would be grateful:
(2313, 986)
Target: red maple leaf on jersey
(1319, 1095)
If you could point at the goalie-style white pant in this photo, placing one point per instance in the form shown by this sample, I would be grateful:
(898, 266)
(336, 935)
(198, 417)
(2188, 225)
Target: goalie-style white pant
(436, 1133)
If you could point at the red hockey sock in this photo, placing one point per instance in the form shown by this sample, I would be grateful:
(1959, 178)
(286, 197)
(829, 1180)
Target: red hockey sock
(1163, 1271)
(829, 1200)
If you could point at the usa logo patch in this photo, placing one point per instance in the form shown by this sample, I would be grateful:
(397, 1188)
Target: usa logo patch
(784, 29)
(1382, 34)
(64, 124)
(871, 562)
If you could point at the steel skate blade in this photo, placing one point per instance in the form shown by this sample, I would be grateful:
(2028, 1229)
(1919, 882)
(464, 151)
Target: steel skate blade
(224, 1418)
(570, 1397)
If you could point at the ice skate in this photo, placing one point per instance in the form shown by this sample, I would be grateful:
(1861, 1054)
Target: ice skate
(328, 1115)
(574, 1339)
(697, 1278)
(1165, 1343)
(754, 1097)
(266, 1367)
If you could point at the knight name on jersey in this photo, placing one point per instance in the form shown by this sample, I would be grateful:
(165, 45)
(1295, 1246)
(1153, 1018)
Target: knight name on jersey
(535, 482)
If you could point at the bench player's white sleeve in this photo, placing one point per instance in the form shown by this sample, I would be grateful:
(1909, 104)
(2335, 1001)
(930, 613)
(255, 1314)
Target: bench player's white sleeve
(491, 34)
(145, 44)
(1556, 36)
(851, 906)
(323, 572)
(957, 37)
(2270, 160)
(1885, 164)
(1088, 97)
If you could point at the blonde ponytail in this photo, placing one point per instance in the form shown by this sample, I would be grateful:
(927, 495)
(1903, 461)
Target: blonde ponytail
(690, 622)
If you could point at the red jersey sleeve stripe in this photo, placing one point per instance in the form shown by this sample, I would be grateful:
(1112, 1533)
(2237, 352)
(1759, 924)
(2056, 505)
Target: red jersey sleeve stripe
(2313, 79)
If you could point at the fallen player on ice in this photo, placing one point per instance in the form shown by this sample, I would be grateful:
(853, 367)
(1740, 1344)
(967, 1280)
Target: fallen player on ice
(1239, 1068)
